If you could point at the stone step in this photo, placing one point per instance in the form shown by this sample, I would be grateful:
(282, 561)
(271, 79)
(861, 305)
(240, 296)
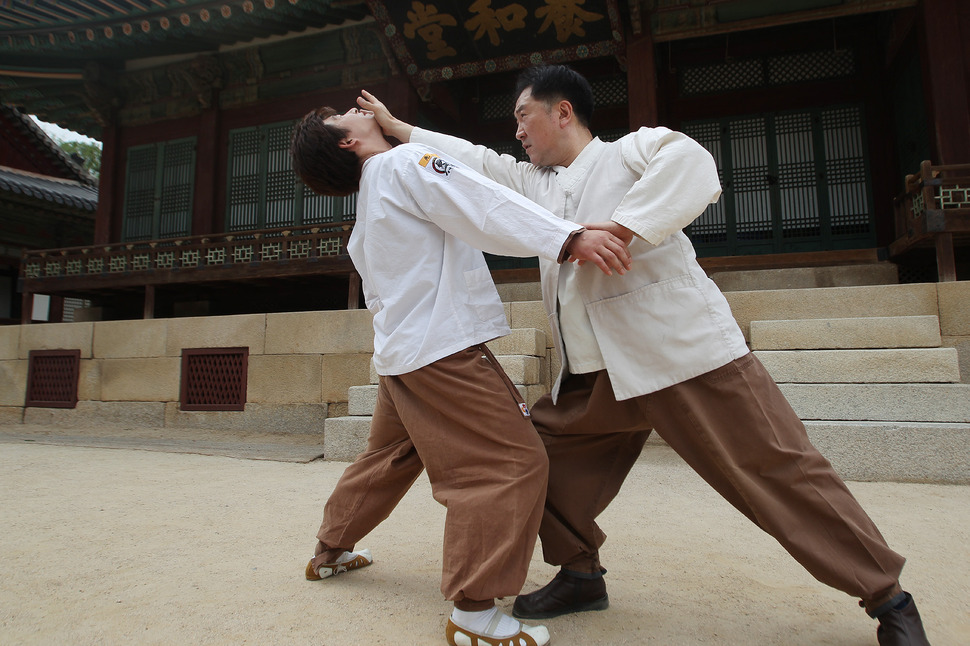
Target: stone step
(361, 400)
(939, 403)
(880, 273)
(344, 438)
(846, 333)
(833, 303)
(522, 341)
(887, 451)
(899, 366)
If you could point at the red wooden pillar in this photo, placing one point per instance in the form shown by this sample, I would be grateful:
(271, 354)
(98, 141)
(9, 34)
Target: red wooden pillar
(642, 82)
(204, 216)
(111, 177)
(946, 75)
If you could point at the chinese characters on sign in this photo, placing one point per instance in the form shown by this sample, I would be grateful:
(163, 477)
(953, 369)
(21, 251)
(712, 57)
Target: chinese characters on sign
(426, 22)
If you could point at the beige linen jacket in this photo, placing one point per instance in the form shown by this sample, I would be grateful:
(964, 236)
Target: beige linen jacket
(664, 321)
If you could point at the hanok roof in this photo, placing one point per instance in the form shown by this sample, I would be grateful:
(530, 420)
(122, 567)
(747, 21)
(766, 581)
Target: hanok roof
(64, 192)
(19, 125)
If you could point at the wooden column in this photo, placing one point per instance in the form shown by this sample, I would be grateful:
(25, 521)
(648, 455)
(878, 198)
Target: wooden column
(946, 76)
(642, 82)
(149, 302)
(26, 307)
(353, 291)
(111, 179)
(204, 216)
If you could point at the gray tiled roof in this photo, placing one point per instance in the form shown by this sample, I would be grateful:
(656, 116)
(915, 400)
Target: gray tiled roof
(69, 193)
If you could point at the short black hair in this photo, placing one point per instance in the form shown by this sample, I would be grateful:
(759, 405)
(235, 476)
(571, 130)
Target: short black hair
(551, 83)
(318, 158)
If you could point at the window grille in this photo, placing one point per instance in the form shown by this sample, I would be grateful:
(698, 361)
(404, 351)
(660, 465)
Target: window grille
(52, 378)
(749, 73)
(793, 181)
(159, 190)
(263, 190)
(214, 379)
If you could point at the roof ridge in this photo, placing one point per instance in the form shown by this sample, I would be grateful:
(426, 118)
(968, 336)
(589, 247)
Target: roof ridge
(76, 169)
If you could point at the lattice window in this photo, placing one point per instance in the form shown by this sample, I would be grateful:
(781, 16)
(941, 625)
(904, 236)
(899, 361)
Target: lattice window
(214, 379)
(32, 270)
(811, 66)
(271, 251)
(74, 267)
(52, 378)
(159, 190)
(117, 264)
(722, 77)
(299, 249)
(262, 189)
(609, 91)
(95, 265)
(791, 181)
(52, 268)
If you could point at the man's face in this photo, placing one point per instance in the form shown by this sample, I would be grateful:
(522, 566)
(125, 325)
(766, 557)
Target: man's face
(358, 123)
(538, 129)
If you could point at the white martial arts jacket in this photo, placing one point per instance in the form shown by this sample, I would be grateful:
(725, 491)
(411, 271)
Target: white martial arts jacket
(664, 321)
(431, 293)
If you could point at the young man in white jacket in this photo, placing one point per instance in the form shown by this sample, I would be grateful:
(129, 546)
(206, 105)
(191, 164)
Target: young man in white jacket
(659, 349)
(444, 403)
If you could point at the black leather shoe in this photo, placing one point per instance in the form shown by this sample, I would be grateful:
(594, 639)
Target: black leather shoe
(561, 596)
(900, 624)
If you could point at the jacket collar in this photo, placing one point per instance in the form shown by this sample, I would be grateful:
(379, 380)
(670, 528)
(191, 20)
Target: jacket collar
(570, 176)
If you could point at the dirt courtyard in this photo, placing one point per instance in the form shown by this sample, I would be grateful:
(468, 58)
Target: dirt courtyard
(123, 545)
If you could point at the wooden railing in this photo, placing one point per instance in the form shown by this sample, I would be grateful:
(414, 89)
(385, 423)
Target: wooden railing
(934, 210)
(237, 256)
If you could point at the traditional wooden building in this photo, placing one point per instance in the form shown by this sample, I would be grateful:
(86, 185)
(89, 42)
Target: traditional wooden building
(47, 200)
(817, 111)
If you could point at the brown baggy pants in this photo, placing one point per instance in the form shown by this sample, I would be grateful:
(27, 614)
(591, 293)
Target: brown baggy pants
(735, 428)
(459, 418)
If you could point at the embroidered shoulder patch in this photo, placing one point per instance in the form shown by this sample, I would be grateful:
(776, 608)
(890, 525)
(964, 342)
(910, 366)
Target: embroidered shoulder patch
(437, 164)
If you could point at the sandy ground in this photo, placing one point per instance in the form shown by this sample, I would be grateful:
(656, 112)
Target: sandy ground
(124, 545)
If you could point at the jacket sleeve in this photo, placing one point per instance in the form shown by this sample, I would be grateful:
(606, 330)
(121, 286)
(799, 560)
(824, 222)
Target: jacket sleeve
(678, 179)
(483, 213)
(504, 169)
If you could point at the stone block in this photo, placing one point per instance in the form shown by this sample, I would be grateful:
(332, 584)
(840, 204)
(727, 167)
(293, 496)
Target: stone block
(885, 273)
(56, 336)
(531, 394)
(9, 342)
(520, 369)
(962, 345)
(285, 419)
(846, 333)
(325, 332)
(954, 308)
(510, 292)
(901, 366)
(340, 372)
(530, 314)
(97, 414)
(944, 403)
(13, 382)
(284, 379)
(831, 303)
(140, 380)
(11, 416)
(345, 438)
(895, 451)
(130, 339)
(89, 380)
(245, 330)
(361, 400)
(525, 341)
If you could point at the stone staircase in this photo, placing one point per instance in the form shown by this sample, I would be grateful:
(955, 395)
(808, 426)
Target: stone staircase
(866, 368)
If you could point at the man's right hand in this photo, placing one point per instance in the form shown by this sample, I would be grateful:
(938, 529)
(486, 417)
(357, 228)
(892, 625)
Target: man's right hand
(391, 125)
(601, 248)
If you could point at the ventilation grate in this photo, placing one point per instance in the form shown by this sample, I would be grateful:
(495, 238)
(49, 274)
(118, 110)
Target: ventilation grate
(52, 377)
(214, 378)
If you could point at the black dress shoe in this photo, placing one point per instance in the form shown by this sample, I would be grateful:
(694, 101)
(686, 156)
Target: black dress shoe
(561, 596)
(901, 624)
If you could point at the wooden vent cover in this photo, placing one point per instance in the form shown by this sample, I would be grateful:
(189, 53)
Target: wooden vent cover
(214, 378)
(52, 377)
